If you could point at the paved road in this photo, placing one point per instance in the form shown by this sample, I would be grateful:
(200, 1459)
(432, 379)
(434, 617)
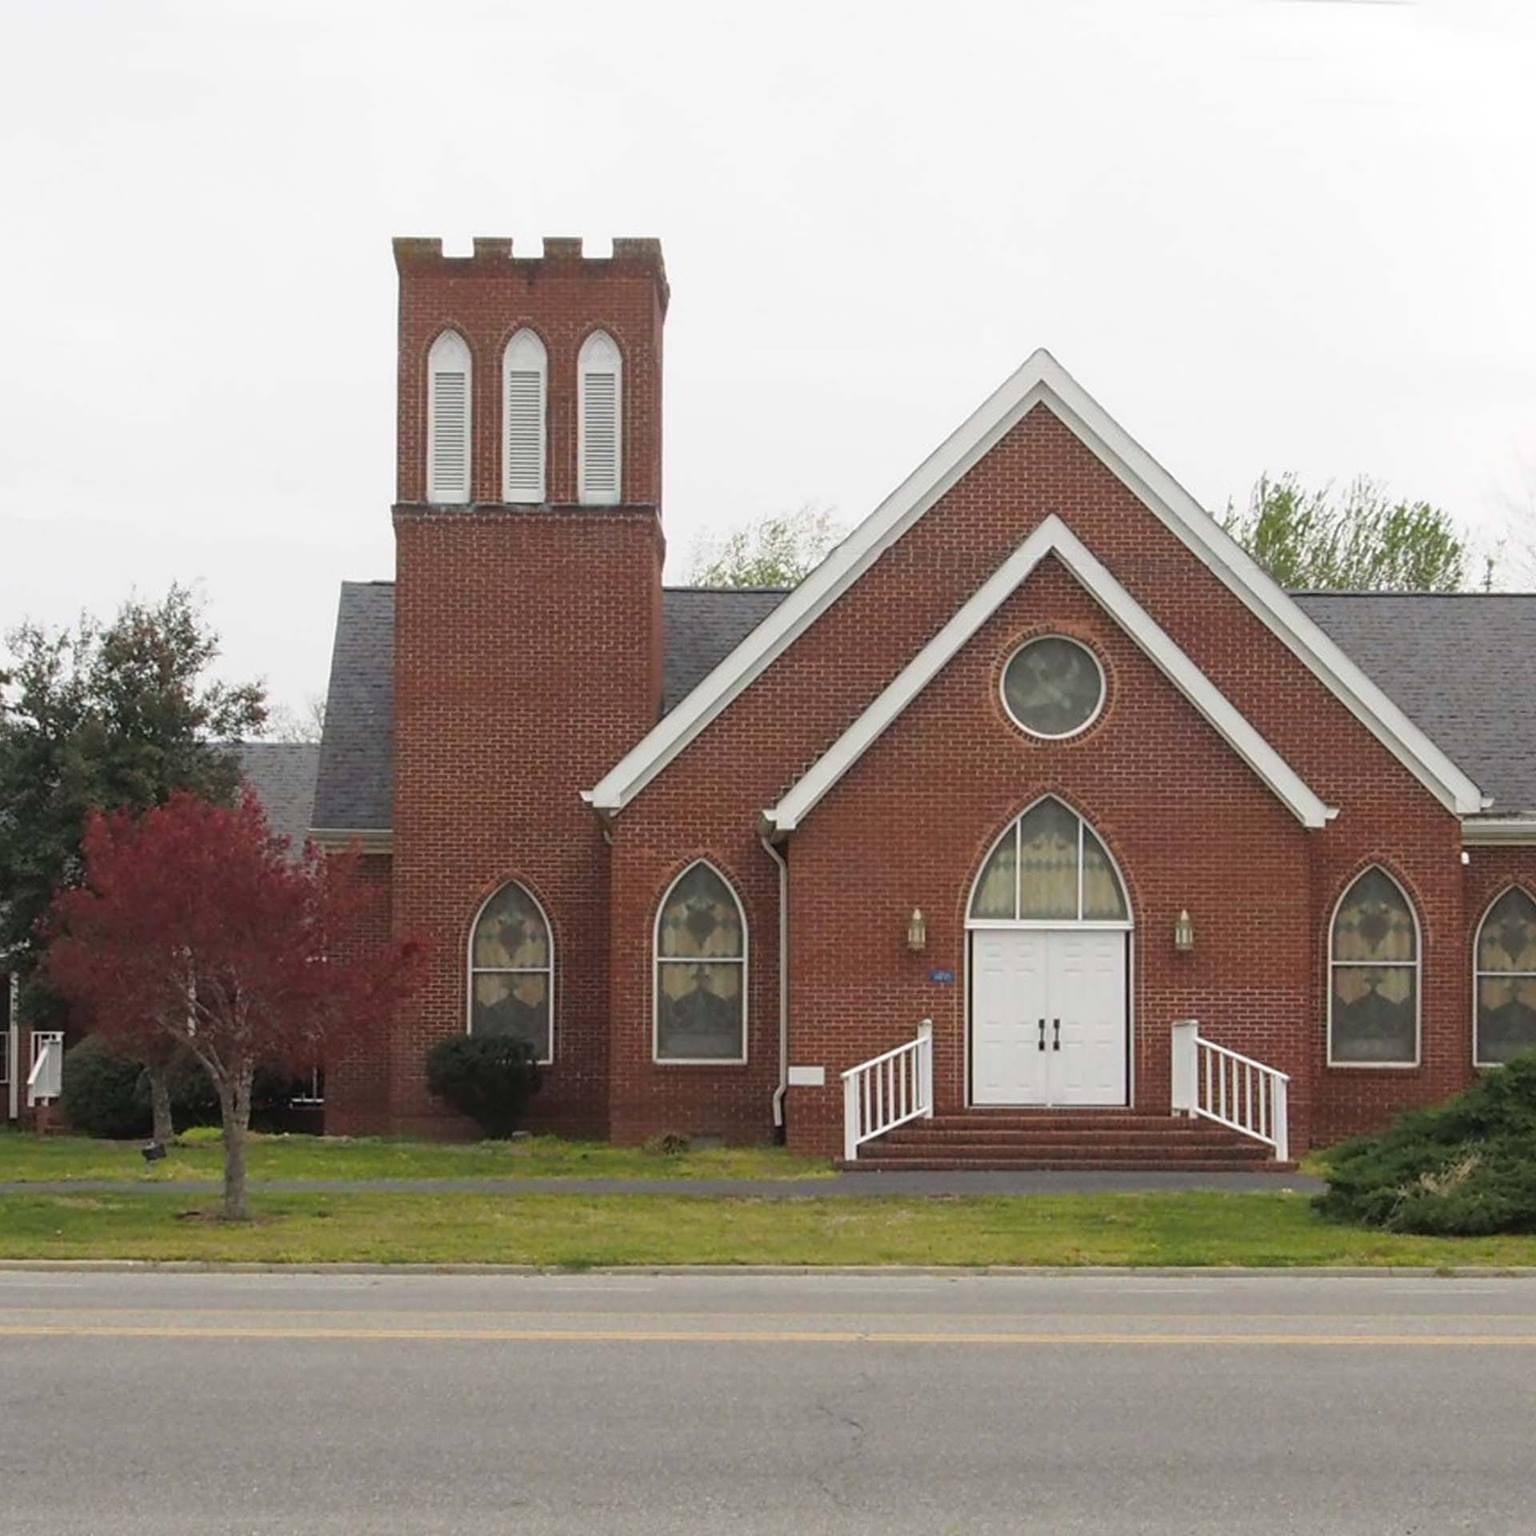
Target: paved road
(312, 1405)
(981, 1182)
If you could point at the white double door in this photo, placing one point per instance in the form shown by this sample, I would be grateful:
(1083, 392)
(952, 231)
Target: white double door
(1048, 1016)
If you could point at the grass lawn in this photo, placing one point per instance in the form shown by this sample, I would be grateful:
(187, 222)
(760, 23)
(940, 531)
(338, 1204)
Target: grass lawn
(34, 1158)
(574, 1231)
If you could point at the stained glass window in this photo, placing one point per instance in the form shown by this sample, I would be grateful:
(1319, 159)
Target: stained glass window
(1506, 980)
(1103, 898)
(701, 964)
(997, 891)
(1048, 861)
(1049, 867)
(1374, 1012)
(1053, 686)
(511, 971)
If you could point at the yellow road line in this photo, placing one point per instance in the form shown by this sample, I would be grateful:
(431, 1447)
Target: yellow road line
(744, 1336)
(505, 1314)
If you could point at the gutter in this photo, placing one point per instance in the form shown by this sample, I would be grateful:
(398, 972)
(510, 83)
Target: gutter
(779, 1092)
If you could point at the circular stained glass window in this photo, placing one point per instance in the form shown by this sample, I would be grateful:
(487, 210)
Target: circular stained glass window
(1053, 687)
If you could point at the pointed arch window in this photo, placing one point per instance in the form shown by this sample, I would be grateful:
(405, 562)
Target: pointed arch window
(1373, 992)
(600, 447)
(524, 392)
(1506, 980)
(1049, 866)
(701, 970)
(512, 971)
(448, 419)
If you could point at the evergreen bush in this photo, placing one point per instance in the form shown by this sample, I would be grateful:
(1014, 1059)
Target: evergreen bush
(488, 1078)
(1465, 1168)
(100, 1092)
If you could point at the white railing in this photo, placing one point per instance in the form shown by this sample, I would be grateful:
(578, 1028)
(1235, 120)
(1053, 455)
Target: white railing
(46, 1079)
(1213, 1083)
(887, 1091)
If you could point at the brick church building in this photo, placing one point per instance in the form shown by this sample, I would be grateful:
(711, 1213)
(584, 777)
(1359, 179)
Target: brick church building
(1036, 768)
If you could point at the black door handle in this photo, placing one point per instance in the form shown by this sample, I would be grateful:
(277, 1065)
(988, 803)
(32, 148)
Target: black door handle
(1042, 1034)
(1056, 1043)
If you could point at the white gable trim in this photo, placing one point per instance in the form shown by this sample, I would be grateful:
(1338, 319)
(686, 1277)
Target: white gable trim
(1041, 380)
(1052, 537)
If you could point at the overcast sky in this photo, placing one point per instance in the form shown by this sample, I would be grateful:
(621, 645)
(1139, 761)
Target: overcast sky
(1266, 234)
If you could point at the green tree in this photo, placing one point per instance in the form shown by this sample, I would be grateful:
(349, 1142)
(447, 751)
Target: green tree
(1364, 540)
(769, 551)
(99, 718)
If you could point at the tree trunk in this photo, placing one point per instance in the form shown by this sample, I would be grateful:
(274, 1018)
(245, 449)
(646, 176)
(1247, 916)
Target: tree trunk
(235, 1110)
(160, 1104)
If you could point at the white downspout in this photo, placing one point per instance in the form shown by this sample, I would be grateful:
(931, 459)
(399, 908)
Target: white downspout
(779, 1092)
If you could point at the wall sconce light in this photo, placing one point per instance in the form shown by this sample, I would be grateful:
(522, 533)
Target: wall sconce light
(1183, 933)
(917, 931)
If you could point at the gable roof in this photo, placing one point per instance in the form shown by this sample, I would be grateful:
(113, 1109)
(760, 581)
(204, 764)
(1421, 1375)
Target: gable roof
(702, 624)
(356, 789)
(1446, 661)
(1457, 664)
(1040, 381)
(283, 775)
(1051, 537)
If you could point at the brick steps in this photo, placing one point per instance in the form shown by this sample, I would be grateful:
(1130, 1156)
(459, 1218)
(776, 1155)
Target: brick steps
(1054, 1140)
(969, 1151)
(1139, 1136)
(1061, 1165)
(1055, 1119)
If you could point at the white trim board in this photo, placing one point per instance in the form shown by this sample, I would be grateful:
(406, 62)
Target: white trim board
(1041, 380)
(1051, 537)
(1495, 832)
(368, 839)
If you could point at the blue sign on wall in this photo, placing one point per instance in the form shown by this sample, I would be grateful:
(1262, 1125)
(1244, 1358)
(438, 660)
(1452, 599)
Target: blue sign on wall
(943, 976)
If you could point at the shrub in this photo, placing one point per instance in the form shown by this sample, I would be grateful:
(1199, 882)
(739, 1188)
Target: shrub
(107, 1095)
(489, 1078)
(100, 1092)
(1464, 1168)
(667, 1144)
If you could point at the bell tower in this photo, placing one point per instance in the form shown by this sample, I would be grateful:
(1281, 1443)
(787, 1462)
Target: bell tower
(528, 620)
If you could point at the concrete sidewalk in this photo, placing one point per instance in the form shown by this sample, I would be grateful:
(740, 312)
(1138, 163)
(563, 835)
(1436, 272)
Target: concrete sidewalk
(841, 1184)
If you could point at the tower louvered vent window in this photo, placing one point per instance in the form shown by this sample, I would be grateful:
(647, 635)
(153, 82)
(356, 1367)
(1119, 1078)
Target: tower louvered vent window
(448, 418)
(524, 375)
(601, 449)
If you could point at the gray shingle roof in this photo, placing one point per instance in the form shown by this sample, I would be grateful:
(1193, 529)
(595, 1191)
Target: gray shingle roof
(1456, 665)
(356, 791)
(283, 775)
(703, 626)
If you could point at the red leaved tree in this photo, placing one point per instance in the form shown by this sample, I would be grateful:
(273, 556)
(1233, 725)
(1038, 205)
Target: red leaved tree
(196, 925)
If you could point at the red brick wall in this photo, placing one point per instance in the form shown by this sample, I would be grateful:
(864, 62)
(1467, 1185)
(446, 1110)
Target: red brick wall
(527, 651)
(528, 661)
(357, 1080)
(1150, 775)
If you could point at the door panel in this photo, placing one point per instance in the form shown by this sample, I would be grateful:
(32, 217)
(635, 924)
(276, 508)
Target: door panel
(1087, 989)
(1008, 999)
(1074, 980)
